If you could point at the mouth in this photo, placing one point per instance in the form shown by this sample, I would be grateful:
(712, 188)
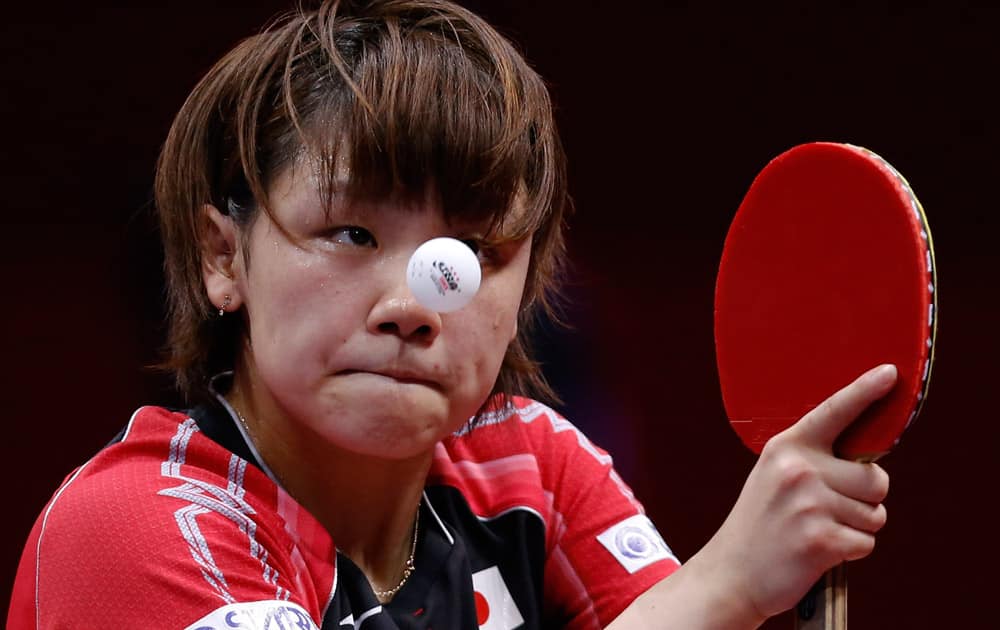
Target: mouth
(402, 377)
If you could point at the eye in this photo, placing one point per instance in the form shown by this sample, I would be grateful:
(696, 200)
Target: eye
(489, 253)
(473, 244)
(352, 235)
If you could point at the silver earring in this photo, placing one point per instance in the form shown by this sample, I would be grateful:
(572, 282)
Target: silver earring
(225, 304)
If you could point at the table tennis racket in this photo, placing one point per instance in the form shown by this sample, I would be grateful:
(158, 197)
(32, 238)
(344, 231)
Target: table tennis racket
(827, 271)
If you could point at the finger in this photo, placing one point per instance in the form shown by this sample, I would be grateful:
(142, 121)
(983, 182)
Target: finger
(859, 515)
(867, 482)
(829, 541)
(822, 425)
(855, 544)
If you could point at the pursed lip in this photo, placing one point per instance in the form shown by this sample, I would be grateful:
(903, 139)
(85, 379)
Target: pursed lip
(409, 377)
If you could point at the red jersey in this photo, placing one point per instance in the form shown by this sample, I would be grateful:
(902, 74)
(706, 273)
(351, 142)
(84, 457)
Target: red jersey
(524, 524)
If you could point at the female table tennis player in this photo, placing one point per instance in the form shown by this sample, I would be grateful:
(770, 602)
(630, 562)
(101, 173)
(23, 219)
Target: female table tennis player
(351, 458)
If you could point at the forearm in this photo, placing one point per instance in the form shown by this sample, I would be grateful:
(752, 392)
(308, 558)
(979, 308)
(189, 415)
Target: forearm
(695, 597)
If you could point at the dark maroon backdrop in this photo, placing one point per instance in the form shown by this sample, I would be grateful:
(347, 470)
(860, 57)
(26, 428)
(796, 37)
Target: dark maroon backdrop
(667, 115)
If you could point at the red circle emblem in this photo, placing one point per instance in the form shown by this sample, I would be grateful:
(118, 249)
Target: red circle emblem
(482, 609)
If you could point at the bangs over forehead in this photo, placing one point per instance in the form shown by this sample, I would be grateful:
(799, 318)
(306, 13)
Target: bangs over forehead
(411, 100)
(408, 99)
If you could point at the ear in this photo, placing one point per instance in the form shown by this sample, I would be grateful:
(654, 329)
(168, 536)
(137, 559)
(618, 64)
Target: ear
(218, 257)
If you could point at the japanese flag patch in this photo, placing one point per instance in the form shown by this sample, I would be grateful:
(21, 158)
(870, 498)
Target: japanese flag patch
(495, 607)
(635, 543)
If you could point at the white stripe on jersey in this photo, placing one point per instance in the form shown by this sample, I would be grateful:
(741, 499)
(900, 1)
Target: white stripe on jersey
(535, 410)
(205, 497)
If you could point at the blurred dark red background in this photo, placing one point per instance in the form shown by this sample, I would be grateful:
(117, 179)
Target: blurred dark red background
(667, 114)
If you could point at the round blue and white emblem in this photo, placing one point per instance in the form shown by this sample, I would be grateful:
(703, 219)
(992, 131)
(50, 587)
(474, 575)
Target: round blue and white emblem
(633, 542)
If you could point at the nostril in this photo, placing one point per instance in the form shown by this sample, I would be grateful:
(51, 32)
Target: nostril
(393, 328)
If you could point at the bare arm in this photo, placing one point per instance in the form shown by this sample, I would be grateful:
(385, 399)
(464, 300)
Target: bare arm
(801, 512)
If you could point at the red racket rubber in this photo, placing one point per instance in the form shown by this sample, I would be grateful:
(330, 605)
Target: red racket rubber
(827, 271)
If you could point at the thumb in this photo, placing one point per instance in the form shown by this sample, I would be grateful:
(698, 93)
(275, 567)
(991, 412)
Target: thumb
(822, 425)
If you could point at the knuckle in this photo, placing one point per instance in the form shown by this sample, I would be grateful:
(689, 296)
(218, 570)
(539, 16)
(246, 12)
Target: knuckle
(775, 446)
(817, 539)
(794, 471)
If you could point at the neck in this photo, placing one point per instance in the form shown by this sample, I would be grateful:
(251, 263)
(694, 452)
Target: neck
(368, 505)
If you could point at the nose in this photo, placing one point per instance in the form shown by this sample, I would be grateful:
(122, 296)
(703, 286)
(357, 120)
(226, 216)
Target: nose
(397, 312)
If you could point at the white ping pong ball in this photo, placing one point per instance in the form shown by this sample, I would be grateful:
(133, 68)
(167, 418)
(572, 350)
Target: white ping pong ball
(444, 274)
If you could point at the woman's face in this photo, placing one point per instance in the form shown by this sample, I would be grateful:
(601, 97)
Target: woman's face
(339, 348)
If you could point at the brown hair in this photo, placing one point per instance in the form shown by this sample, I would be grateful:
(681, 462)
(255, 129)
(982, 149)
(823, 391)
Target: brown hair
(412, 94)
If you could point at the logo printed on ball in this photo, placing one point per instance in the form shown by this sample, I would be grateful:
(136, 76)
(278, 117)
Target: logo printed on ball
(444, 274)
(448, 278)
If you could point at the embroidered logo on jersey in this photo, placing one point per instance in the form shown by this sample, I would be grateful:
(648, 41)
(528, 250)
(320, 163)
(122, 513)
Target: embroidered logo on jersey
(635, 543)
(269, 615)
(495, 607)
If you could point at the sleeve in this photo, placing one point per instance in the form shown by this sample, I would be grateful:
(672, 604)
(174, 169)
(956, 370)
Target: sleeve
(603, 550)
(130, 549)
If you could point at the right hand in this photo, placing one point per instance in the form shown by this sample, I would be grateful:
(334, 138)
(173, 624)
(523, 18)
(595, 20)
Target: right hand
(803, 510)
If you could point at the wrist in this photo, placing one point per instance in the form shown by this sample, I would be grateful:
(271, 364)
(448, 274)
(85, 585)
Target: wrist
(724, 599)
(700, 595)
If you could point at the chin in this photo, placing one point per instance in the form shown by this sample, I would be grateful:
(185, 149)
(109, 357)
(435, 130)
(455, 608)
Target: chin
(391, 435)
(396, 445)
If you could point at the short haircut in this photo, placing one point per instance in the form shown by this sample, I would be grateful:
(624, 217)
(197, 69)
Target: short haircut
(412, 94)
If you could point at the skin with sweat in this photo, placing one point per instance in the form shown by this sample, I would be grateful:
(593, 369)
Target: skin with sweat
(344, 375)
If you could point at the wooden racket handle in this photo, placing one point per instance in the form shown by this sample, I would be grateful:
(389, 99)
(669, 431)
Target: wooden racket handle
(824, 607)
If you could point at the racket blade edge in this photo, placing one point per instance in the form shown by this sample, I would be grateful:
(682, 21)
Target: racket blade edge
(826, 271)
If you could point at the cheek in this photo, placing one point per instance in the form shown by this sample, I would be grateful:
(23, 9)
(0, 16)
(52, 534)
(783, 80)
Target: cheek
(489, 335)
(297, 314)
(497, 308)
(505, 325)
